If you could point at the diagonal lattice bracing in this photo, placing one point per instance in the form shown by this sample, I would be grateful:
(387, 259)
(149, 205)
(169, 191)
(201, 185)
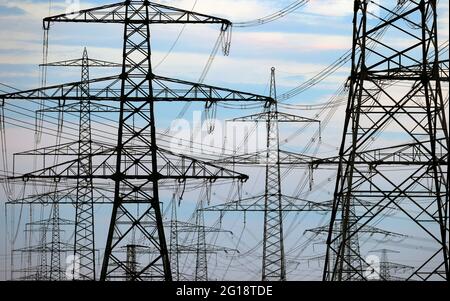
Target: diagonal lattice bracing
(393, 91)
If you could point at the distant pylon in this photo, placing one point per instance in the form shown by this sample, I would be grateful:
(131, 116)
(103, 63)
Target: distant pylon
(274, 261)
(84, 216)
(39, 269)
(201, 262)
(273, 203)
(174, 244)
(55, 254)
(84, 238)
(385, 268)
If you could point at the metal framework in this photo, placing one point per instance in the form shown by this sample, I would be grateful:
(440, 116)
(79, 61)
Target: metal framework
(415, 112)
(81, 195)
(387, 268)
(395, 93)
(41, 270)
(136, 164)
(274, 202)
(201, 250)
(84, 239)
(201, 259)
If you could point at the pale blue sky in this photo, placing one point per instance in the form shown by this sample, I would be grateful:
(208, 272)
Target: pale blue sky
(298, 45)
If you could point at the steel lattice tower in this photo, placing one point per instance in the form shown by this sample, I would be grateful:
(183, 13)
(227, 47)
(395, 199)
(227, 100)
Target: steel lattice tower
(201, 249)
(83, 198)
(201, 261)
(55, 254)
(274, 262)
(173, 246)
(43, 267)
(41, 271)
(387, 268)
(138, 163)
(415, 112)
(138, 76)
(273, 203)
(84, 215)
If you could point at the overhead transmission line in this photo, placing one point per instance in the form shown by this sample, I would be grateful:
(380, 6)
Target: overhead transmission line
(224, 39)
(176, 40)
(274, 16)
(336, 65)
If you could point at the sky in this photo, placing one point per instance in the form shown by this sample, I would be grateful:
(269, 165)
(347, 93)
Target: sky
(291, 44)
(299, 46)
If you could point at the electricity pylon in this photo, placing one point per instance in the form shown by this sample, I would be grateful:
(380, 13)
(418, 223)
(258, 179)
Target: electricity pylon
(377, 111)
(201, 259)
(372, 269)
(135, 251)
(386, 268)
(42, 271)
(80, 195)
(198, 229)
(274, 202)
(137, 164)
(201, 249)
(84, 239)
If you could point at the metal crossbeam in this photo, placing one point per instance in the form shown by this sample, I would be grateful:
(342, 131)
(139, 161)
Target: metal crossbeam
(117, 14)
(164, 90)
(256, 204)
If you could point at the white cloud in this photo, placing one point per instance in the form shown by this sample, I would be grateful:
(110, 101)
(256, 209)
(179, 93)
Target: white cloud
(179, 64)
(235, 10)
(338, 8)
(298, 42)
(443, 19)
